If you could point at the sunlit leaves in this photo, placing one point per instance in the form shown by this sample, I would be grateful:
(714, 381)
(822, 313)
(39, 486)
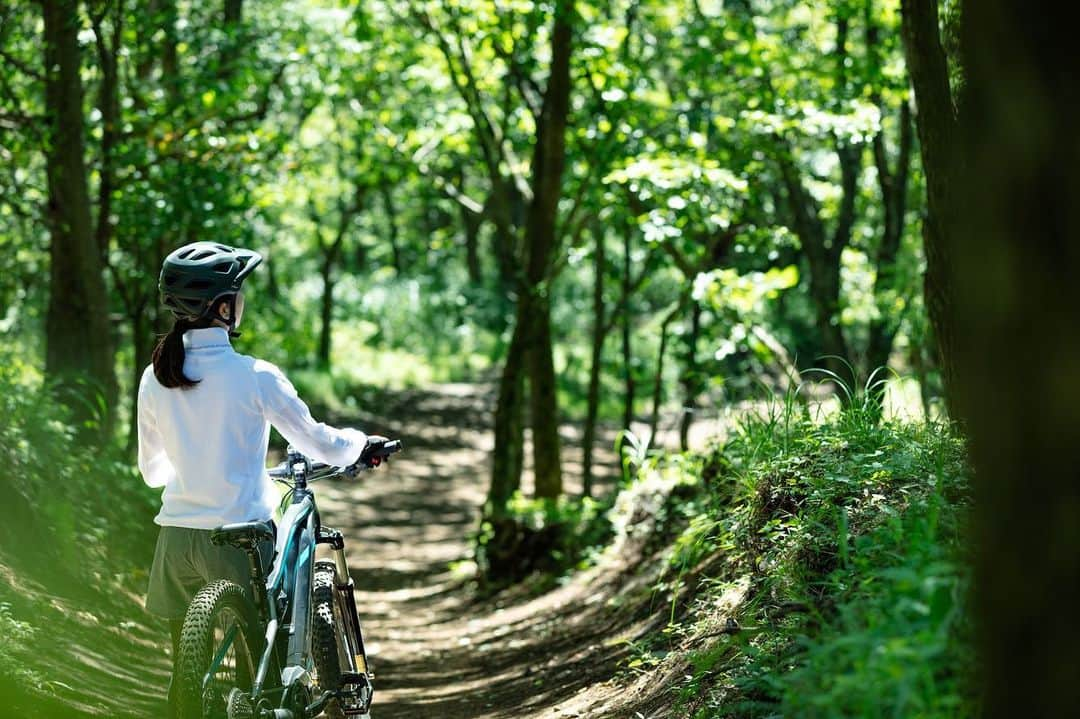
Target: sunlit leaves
(745, 294)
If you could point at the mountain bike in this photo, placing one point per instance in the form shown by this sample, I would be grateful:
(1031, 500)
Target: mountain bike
(290, 645)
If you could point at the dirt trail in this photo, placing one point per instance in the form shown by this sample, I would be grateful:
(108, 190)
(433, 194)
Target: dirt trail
(437, 652)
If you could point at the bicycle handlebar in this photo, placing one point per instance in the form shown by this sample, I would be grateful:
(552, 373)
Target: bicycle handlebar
(372, 456)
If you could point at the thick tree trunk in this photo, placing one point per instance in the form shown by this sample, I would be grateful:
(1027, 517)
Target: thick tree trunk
(938, 136)
(596, 359)
(78, 340)
(543, 404)
(507, 458)
(531, 345)
(1014, 252)
(547, 168)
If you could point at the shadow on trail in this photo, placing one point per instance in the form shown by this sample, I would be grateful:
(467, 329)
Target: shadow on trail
(436, 651)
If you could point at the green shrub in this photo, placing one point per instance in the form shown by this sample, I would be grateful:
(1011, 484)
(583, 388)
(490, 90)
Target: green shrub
(544, 538)
(846, 540)
(74, 500)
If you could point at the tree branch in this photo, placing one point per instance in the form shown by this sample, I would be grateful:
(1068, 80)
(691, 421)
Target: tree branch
(21, 66)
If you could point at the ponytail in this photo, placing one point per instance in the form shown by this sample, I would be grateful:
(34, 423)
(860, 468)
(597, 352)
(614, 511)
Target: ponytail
(169, 356)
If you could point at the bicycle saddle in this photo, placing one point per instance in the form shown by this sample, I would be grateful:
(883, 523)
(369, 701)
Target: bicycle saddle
(243, 534)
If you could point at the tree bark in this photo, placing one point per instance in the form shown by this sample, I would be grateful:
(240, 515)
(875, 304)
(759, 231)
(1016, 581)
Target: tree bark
(232, 19)
(78, 336)
(1011, 234)
(658, 377)
(142, 341)
(507, 457)
(470, 223)
(326, 315)
(387, 192)
(629, 385)
(691, 380)
(938, 137)
(894, 189)
(824, 250)
(599, 332)
(109, 106)
(549, 157)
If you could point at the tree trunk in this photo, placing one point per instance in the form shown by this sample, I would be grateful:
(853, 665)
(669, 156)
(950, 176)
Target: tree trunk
(142, 342)
(531, 345)
(109, 107)
(938, 136)
(549, 157)
(894, 188)
(658, 377)
(627, 349)
(507, 458)
(599, 332)
(543, 404)
(1014, 248)
(170, 53)
(691, 380)
(470, 223)
(78, 339)
(326, 316)
(387, 193)
(232, 17)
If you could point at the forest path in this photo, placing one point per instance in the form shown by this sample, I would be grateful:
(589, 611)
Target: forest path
(436, 651)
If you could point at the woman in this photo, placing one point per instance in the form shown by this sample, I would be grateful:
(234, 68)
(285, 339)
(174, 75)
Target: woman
(204, 422)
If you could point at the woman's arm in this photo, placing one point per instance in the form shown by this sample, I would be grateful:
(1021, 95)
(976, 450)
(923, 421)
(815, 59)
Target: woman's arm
(285, 410)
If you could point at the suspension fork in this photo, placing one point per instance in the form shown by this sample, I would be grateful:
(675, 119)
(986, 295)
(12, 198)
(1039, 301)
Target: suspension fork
(343, 583)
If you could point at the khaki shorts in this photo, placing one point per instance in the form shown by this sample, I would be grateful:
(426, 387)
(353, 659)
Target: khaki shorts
(185, 561)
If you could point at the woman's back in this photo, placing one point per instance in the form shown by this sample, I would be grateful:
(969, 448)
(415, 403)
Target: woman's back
(206, 444)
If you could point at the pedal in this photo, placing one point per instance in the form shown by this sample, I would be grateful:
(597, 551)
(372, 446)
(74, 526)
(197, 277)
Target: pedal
(356, 694)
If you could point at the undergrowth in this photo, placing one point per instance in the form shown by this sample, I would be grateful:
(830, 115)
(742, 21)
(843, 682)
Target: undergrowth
(816, 569)
(78, 523)
(540, 540)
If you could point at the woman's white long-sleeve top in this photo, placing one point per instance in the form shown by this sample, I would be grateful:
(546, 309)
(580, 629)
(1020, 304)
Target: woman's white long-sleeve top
(207, 445)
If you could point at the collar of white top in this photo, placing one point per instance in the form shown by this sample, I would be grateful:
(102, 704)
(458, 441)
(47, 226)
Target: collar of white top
(205, 338)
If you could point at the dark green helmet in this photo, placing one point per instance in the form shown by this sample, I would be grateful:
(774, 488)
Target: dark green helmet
(196, 275)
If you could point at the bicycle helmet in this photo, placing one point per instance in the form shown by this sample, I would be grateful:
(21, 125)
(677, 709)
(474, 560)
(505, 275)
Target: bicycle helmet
(195, 276)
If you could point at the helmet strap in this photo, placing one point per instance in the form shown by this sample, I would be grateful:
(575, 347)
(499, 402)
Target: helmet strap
(214, 314)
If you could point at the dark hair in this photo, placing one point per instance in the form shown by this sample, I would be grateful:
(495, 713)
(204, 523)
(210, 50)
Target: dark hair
(169, 354)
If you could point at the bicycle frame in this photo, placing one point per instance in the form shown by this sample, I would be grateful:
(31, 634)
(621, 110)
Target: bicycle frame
(283, 597)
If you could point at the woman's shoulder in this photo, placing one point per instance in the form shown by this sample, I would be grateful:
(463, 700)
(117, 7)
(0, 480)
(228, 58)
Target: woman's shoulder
(264, 371)
(148, 381)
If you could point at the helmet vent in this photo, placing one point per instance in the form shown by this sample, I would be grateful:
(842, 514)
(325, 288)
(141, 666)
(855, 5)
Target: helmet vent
(223, 267)
(201, 256)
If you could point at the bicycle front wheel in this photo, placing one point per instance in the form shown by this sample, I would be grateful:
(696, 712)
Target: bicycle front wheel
(220, 646)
